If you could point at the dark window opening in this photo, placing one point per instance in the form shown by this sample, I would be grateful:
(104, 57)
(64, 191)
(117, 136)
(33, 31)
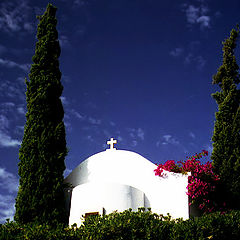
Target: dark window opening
(91, 214)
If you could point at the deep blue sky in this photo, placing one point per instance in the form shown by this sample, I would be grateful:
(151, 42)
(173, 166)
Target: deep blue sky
(136, 70)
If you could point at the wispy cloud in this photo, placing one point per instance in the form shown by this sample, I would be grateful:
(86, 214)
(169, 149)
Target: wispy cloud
(7, 207)
(86, 118)
(190, 55)
(4, 122)
(8, 181)
(204, 21)
(11, 64)
(64, 42)
(5, 138)
(192, 13)
(21, 110)
(192, 135)
(90, 138)
(209, 148)
(199, 61)
(136, 133)
(176, 52)
(113, 124)
(197, 15)
(77, 114)
(167, 139)
(140, 133)
(8, 104)
(7, 141)
(134, 143)
(94, 121)
(80, 3)
(64, 100)
(14, 16)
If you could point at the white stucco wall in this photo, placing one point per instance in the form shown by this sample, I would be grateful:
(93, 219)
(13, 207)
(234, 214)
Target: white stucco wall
(118, 180)
(107, 197)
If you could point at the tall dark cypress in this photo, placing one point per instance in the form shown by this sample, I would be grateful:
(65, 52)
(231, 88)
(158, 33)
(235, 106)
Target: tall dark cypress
(41, 191)
(226, 136)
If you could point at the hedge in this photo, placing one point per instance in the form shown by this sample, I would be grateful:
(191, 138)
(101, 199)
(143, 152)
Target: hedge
(132, 225)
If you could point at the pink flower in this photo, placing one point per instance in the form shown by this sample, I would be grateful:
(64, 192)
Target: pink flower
(200, 183)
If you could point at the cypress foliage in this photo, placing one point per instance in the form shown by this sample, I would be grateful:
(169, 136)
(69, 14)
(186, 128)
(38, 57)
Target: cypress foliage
(226, 139)
(41, 192)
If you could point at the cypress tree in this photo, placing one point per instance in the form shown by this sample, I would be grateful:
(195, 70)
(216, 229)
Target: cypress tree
(41, 190)
(226, 139)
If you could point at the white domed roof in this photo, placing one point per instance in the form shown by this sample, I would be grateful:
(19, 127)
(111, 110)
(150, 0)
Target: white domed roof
(113, 165)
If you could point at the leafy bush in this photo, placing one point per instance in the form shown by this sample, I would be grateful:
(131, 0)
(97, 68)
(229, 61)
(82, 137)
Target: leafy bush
(132, 225)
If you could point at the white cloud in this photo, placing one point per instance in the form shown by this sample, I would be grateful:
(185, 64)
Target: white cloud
(7, 207)
(158, 143)
(192, 135)
(199, 61)
(79, 3)
(66, 79)
(176, 52)
(197, 15)
(169, 139)
(90, 138)
(14, 89)
(192, 13)
(14, 16)
(11, 64)
(21, 110)
(88, 119)
(8, 181)
(140, 133)
(134, 143)
(209, 148)
(131, 134)
(4, 122)
(8, 104)
(204, 21)
(64, 42)
(113, 124)
(94, 121)
(67, 125)
(136, 133)
(7, 141)
(77, 114)
(64, 100)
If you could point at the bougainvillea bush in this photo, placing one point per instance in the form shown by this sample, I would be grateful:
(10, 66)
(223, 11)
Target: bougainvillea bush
(201, 183)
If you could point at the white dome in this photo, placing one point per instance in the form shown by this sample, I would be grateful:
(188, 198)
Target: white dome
(118, 180)
(118, 166)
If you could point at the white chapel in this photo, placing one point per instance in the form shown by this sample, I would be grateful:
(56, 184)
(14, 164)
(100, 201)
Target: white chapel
(116, 180)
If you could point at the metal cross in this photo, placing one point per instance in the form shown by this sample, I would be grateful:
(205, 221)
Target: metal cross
(111, 143)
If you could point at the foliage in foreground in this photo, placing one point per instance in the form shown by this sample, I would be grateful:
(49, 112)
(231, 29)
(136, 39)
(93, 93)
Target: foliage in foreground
(132, 225)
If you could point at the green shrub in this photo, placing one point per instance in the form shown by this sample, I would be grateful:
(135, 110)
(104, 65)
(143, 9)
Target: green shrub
(130, 225)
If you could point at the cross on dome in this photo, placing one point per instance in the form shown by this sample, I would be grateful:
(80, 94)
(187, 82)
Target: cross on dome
(111, 143)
